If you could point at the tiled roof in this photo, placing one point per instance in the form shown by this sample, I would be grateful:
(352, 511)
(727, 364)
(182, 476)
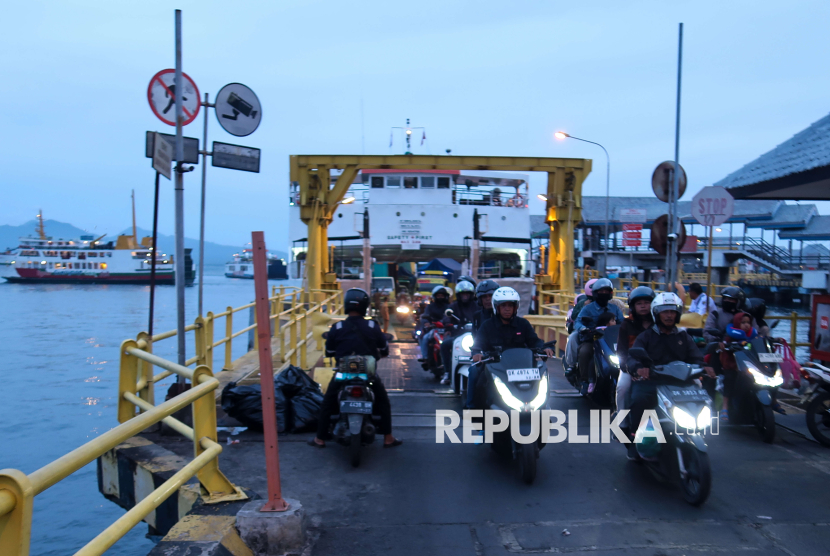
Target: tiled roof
(817, 229)
(787, 216)
(806, 150)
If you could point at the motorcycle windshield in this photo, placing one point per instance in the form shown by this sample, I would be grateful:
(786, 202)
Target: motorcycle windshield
(516, 358)
(759, 345)
(677, 370)
(611, 335)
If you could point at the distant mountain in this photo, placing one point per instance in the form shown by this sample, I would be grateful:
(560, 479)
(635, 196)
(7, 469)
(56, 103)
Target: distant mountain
(215, 253)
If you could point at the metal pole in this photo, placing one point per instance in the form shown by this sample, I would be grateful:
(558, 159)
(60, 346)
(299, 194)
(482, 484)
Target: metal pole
(202, 224)
(274, 502)
(180, 277)
(673, 230)
(153, 258)
(607, 207)
(710, 291)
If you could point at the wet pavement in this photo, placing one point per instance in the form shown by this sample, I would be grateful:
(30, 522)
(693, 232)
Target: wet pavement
(460, 499)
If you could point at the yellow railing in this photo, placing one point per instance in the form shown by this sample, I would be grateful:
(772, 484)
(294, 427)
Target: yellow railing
(137, 412)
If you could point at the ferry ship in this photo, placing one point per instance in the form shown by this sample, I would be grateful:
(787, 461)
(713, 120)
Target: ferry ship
(242, 266)
(87, 260)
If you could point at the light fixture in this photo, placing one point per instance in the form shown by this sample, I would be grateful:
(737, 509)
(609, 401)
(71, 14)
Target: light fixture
(561, 135)
(409, 132)
(718, 230)
(542, 197)
(348, 201)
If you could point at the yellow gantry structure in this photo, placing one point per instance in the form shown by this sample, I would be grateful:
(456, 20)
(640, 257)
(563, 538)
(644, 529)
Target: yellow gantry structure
(319, 201)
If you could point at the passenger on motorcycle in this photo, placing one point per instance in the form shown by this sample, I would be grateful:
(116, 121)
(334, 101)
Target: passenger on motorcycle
(356, 336)
(463, 310)
(603, 292)
(572, 347)
(664, 343)
(484, 299)
(639, 320)
(506, 330)
(733, 301)
(434, 313)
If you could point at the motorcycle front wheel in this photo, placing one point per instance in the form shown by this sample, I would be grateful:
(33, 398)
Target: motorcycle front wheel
(527, 462)
(818, 418)
(765, 422)
(354, 449)
(697, 481)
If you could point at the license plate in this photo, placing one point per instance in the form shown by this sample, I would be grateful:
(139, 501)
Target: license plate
(519, 375)
(770, 358)
(356, 407)
(349, 376)
(690, 395)
(464, 358)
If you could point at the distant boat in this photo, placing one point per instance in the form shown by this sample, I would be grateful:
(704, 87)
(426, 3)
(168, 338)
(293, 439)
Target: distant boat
(242, 266)
(86, 260)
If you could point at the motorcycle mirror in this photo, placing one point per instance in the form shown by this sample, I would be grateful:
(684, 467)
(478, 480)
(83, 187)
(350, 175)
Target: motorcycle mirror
(640, 354)
(714, 332)
(448, 312)
(774, 324)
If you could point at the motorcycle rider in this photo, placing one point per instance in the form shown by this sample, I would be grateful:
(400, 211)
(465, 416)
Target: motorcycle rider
(664, 343)
(463, 309)
(733, 301)
(581, 303)
(356, 336)
(639, 320)
(506, 329)
(484, 299)
(602, 292)
(572, 347)
(434, 312)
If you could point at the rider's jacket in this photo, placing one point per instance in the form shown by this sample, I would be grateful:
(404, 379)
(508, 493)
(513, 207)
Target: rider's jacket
(665, 348)
(464, 312)
(356, 336)
(435, 311)
(719, 320)
(629, 330)
(593, 311)
(518, 333)
(479, 318)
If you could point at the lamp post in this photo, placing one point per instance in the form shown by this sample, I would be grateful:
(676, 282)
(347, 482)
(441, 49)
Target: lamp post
(563, 135)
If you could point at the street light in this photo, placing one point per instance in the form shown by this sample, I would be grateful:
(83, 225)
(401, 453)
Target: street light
(542, 198)
(563, 135)
(347, 201)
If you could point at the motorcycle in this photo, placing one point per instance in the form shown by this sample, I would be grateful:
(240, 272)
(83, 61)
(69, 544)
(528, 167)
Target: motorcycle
(518, 380)
(434, 363)
(606, 365)
(403, 310)
(461, 358)
(684, 413)
(817, 400)
(355, 425)
(756, 386)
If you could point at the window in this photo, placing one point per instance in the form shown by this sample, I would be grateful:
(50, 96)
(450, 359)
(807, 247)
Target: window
(69, 265)
(92, 255)
(96, 266)
(443, 183)
(428, 182)
(108, 255)
(393, 181)
(243, 267)
(410, 183)
(82, 256)
(377, 182)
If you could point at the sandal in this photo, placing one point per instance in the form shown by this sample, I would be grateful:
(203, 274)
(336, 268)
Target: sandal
(723, 416)
(397, 442)
(314, 444)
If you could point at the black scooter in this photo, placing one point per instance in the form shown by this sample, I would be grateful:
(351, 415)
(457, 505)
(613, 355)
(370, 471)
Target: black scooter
(606, 365)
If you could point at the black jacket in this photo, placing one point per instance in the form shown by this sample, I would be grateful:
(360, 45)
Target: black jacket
(518, 333)
(435, 312)
(630, 329)
(665, 348)
(479, 318)
(356, 336)
(463, 312)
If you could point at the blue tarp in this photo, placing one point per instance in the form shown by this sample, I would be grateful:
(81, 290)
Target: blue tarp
(450, 266)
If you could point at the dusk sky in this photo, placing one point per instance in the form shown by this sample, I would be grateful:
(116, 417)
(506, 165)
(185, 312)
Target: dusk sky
(483, 78)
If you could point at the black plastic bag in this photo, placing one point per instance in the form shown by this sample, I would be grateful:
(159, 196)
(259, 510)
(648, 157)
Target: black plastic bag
(305, 408)
(293, 381)
(244, 403)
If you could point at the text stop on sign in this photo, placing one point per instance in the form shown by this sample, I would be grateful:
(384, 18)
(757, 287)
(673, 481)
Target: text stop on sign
(712, 206)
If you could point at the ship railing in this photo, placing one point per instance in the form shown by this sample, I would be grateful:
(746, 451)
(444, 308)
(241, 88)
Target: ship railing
(293, 312)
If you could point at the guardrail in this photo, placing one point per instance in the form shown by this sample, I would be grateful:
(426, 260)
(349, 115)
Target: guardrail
(137, 412)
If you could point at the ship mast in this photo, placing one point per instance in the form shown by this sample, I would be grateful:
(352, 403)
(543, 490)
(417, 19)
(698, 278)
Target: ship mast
(41, 232)
(135, 238)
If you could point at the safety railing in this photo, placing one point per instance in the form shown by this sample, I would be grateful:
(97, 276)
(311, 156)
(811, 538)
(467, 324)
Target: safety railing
(293, 314)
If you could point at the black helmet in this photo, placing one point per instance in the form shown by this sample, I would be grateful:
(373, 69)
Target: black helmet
(486, 287)
(640, 292)
(733, 296)
(467, 279)
(756, 307)
(356, 300)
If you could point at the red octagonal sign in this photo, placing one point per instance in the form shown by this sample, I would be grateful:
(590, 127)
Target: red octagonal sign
(713, 206)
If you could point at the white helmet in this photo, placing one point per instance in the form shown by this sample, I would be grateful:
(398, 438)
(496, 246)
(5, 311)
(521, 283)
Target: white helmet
(464, 287)
(505, 295)
(666, 301)
(438, 289)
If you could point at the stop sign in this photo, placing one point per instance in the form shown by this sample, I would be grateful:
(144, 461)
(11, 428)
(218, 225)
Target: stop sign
(712, 206)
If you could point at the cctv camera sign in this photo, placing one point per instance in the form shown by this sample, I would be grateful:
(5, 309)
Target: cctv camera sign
(238, 109)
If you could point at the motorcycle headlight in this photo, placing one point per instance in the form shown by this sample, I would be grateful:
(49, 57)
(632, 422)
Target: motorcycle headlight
(417, 332)
(467, 343)
(683, 419)
(615, 360)
(542, 395)
(403, 309)
(704, 419)
(760, 378)
(509, 399)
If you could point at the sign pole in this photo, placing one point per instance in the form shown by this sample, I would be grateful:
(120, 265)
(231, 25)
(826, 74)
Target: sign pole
(673, 216)
(202, 224)
(180, 268)
(709, 289)
(153, 258)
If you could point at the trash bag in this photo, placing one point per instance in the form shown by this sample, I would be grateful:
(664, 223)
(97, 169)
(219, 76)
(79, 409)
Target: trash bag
(305, 407)
(244, 403)
(294, 380)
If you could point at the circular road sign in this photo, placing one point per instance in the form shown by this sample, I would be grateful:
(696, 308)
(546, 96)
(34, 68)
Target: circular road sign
(663, 178)
(238, 109)
(713, 206)
(161, 95)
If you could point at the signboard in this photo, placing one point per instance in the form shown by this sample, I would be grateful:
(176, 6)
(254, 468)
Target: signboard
(660, 233)
(820, 328)
(663, 178)
(632, 215)
(161, 95)
(410, 233)
(238, 109)
(712, 206)
(191, 146)
(162, 157)
(235, 157)
(632, 235)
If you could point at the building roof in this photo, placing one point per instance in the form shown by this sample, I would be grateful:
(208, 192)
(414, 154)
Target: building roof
(798, 168)
(817, 229)
(786, 217)
(593, 209)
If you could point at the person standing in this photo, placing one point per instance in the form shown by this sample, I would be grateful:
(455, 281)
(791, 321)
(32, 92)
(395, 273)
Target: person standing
(702, 304)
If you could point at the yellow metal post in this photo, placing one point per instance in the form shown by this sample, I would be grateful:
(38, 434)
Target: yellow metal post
(145, 371)
(278, 325)
(228, 338)
(127, 381)
(292, 338)
(303, 333)
(794, 329)
(201, 344)
(16, 496)
(209, 338)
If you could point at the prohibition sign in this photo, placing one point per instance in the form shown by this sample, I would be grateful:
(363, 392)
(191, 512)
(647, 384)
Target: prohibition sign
(161, 96)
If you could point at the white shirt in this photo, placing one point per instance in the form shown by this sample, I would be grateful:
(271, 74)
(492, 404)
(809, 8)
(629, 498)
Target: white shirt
(702, 305)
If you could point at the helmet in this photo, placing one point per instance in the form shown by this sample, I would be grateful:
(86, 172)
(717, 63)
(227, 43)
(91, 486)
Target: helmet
(440, 289)
(588, 287)
(666, 301)
(600, 284)
(356, 300)
(737, 295)
(756, 307)
(464, 286)
(487, 287)
(505, 295)
(640, 292)
(467, 279)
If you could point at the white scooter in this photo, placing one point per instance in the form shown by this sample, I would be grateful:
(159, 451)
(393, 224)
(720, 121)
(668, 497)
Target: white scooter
(461, 358)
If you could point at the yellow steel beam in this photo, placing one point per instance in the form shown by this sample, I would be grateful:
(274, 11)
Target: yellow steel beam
(301, 163)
